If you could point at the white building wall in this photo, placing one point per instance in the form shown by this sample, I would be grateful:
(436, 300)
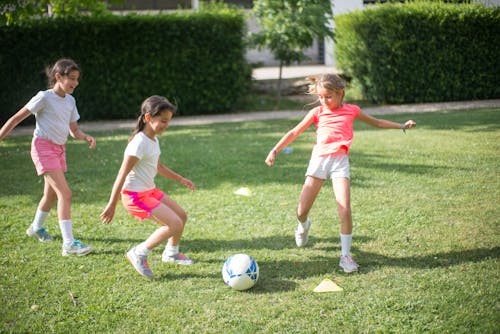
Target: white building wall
(489, 3)
(339, 7)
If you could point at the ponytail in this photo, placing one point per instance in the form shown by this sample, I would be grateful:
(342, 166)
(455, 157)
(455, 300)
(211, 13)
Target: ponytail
(139, 126)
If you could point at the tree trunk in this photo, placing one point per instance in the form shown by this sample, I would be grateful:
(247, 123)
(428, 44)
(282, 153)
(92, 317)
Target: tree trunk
(279, 84)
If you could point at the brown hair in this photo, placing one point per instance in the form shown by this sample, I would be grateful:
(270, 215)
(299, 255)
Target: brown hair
(63, 66)
(330, 82)
(154, 105)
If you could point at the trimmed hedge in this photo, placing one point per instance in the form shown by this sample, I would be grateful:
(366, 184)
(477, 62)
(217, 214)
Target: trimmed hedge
(194, 59)
(421, 52)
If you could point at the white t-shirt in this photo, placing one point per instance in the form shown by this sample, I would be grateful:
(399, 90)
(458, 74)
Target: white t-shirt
(141, 177)
(53, 115)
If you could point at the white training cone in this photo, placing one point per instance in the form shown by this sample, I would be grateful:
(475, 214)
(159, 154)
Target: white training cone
(327, 286)
(243, 192)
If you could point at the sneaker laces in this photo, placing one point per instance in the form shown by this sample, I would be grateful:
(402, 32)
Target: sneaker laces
(180, 256)
(78, 244)
(349, 260)
(43, 232)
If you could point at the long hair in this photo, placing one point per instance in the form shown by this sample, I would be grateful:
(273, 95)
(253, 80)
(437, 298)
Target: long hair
(154, 106)
(63, 66)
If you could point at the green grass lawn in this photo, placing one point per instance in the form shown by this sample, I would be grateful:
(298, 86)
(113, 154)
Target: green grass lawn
(426, 233)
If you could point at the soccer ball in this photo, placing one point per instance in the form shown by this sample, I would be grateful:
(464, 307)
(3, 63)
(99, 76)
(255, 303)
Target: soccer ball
(240, 272)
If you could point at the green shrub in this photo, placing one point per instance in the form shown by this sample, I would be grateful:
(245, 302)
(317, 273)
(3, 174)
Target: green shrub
(196, 60)
(421, 52)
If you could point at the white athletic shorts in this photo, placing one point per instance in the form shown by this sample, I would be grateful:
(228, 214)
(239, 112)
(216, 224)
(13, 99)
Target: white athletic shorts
(332, 166)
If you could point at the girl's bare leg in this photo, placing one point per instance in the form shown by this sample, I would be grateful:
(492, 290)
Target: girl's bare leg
(341, 188)
(172, 226)
(179, 211)
(57, 182)
(49, 198)
(310, 190)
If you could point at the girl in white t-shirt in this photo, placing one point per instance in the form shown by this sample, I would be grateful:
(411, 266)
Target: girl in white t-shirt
(141, 198)
(56, 117)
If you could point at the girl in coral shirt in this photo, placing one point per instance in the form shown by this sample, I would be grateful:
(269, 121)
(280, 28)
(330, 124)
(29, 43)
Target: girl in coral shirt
(329, 158)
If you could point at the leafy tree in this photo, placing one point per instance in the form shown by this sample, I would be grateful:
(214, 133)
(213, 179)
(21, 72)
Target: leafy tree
(290, 26)
(16, 11)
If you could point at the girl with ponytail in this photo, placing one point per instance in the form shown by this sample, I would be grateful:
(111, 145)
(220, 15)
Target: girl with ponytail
(140, 197)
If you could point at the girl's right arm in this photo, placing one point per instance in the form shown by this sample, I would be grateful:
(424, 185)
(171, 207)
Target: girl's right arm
(127, 165)
(289, 137)
(17, 118)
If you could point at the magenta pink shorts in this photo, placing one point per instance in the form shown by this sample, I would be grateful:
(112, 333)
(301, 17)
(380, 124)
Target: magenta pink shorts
(140, 204)
(48, 156)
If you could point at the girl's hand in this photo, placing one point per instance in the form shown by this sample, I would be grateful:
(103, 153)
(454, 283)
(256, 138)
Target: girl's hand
(91, 141)
(187, 183)
(271, 157)
(108, 214)
(409, 124)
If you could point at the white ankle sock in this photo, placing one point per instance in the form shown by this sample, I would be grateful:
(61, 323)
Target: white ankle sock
(172, 250)
(39, 219)
(141, 249)
(66, 227)
(301, 226)
(345, 243)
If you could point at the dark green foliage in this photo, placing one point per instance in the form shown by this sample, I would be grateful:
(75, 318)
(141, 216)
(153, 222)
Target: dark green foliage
(421, 52)
(195, 60)
(19, 11)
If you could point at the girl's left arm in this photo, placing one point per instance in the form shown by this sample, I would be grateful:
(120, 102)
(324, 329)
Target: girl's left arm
(383, 123)
(170, 174)
(76, 133)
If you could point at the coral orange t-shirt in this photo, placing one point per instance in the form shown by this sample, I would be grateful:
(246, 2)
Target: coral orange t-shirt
(334, 129)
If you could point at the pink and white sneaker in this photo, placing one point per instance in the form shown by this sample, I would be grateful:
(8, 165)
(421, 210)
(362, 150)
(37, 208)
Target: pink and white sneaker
(348, 264)
(178, 258)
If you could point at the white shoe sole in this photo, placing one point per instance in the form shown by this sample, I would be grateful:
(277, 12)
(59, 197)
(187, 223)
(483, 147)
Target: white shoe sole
(85, 252)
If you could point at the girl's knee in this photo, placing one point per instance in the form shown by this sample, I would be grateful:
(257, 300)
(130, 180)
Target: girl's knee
(183, 217)
(176, 225)
(65, 194)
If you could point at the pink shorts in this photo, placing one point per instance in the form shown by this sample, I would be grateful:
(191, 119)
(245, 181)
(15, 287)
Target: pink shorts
(140, 204)
(48, 156)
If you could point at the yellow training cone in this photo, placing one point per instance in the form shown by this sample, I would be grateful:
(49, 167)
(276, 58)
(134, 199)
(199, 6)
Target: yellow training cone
(327, 286)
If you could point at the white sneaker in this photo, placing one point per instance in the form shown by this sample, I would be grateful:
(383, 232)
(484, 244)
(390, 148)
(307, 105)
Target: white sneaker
(41, 234)
(140, 263)
(178, 258)
(76, 248)
(348, 264)
(302, 235)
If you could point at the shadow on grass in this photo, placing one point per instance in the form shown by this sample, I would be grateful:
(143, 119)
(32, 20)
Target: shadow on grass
(267, 285)
(260, 243)
(372, 261)
(303, 267)
(281, 275)
(263, 286)
(376, 162)
(113, 240)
